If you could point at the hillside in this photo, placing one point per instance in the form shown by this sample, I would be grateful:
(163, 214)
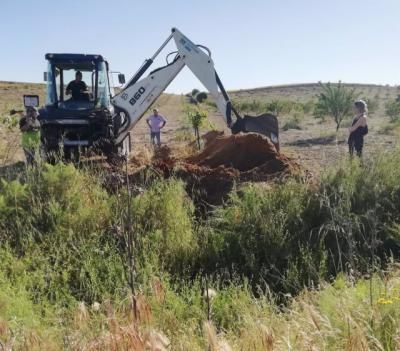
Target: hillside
(307, 91)
(312, 142)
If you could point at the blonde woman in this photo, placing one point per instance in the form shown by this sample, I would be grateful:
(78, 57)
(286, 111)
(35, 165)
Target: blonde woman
(359, 128)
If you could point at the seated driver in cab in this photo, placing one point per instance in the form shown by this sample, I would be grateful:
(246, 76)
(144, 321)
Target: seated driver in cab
(78, 88)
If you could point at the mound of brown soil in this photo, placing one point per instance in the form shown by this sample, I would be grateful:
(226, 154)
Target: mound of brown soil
(243, 152)
(229, 159)
(212, 173)
(210, 137)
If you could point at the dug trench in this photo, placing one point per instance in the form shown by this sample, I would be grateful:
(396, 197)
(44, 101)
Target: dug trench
(213, 172)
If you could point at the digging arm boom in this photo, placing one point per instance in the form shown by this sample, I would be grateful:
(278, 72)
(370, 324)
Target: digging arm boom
(139, 93)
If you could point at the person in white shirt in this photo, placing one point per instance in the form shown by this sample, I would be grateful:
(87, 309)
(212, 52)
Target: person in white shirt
(156, 122)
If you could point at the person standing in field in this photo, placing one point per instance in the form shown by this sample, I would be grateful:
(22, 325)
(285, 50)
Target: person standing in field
(358, 129)
(30, 128)
(156, 122)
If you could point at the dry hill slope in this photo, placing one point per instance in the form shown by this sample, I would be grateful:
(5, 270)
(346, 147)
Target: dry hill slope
(313, 144)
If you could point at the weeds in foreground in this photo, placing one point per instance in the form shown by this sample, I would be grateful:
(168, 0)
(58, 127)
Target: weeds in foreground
(267, 254)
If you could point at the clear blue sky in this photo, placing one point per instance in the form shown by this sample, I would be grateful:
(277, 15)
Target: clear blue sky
(254, 43)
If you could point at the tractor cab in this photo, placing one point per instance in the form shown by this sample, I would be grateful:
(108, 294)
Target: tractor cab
(78, 113)
(62, 70)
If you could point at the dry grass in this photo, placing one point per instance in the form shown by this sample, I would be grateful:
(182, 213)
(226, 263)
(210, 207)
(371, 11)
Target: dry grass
(338, 317)
(172, 106)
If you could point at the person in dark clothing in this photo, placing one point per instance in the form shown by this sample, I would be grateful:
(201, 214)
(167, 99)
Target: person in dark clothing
(77, 88)
(358, 129)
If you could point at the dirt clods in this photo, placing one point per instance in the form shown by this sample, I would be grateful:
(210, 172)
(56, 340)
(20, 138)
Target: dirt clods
(211, 173)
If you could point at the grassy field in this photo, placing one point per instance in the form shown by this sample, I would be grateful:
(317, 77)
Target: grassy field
(313, 142)
(265, 271)
(290, 265)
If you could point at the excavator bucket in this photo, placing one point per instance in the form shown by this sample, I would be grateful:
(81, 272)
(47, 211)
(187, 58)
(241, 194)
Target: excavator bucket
(265, 124)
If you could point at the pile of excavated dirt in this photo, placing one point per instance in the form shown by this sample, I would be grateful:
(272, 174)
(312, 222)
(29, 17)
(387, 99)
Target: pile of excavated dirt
(243, 152)
(212, 172)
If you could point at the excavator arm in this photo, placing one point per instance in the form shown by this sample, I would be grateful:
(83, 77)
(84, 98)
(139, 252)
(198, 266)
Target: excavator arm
(139, 93)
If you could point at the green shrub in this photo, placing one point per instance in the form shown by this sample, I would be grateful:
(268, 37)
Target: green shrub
(392, 110)
(58, 222)
(335, 101)
(56, 200)
(276, 107)
(195, 92)
(201, 97)
(163, 219)
(362, 202)
(249, 106)
(21, 318)
(63, 240)
(293, 236)
(255, 234)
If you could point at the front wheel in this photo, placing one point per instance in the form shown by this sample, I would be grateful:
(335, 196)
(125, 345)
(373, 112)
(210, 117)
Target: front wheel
(50, 155)
(72, 154)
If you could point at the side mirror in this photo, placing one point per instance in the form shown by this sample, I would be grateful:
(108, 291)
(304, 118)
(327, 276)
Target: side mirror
(45, 76)
(31, 100)
(121, 78)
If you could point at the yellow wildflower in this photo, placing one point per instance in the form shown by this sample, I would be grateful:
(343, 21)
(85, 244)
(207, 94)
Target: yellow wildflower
(383, 301)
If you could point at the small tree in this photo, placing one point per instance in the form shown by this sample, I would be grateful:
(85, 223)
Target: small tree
(196, 117)
(335, 101)
(392, 110)
(201, 97)
(195, 92)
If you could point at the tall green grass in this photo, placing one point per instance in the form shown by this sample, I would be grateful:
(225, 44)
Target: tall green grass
(297, 234)
(64, 248)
